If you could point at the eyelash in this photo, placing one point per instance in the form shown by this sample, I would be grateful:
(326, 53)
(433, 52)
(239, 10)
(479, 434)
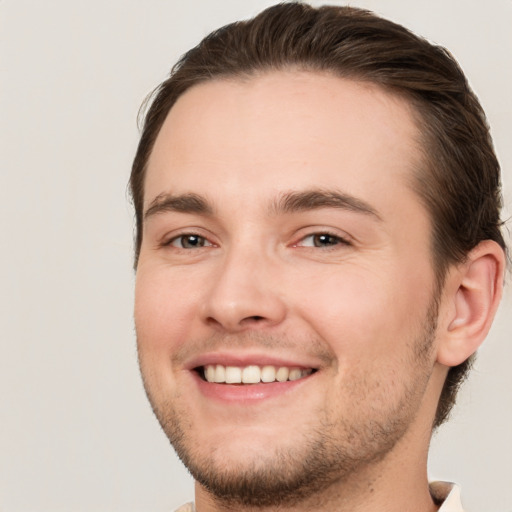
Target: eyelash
(338, 240)
(206, 242)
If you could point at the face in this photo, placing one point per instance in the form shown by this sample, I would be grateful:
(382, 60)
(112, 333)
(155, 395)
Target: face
(284, 298)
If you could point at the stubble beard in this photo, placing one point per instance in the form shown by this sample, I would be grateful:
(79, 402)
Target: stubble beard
(327, 455)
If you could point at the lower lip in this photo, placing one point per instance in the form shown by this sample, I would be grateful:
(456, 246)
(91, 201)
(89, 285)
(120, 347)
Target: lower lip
(240, 393)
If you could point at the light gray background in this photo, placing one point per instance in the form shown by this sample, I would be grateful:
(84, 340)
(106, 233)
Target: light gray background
(76, 433)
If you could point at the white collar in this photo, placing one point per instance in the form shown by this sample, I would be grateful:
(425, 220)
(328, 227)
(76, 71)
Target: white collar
(449, 494)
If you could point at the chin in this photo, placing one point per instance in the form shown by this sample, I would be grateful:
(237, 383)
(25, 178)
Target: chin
(256, 473)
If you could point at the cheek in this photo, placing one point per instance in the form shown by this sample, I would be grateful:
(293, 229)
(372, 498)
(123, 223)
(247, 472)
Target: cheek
(163, 313)
(363, 313)
(164, 317)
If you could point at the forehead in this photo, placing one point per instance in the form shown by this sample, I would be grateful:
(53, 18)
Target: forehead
(281, 131)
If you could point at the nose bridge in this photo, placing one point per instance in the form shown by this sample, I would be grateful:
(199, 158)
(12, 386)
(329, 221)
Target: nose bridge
(243, 291)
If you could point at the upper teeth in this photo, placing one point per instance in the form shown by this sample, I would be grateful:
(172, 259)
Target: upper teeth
(252, 374)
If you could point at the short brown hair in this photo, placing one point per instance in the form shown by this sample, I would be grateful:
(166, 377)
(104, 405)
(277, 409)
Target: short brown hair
(460, 180)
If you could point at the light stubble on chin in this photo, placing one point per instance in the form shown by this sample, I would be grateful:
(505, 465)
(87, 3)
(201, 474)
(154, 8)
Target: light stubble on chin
(325, 454)
(282, 477)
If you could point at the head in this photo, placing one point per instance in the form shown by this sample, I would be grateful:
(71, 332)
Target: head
(454, 177)
(459, 181)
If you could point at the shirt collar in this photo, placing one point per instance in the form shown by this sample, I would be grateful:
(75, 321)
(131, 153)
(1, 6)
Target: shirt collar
(448, 494)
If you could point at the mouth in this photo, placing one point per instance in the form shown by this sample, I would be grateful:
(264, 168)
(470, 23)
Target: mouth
(251, 374)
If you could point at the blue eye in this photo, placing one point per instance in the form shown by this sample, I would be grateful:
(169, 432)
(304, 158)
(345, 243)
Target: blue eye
(322, 240)
(190, 241)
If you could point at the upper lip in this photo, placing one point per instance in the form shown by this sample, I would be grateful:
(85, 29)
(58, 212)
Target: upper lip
(249, 359)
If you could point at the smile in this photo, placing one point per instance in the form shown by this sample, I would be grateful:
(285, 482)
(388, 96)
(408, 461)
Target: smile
(252, 374)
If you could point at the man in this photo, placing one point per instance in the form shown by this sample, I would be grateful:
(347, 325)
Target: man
(318, 258)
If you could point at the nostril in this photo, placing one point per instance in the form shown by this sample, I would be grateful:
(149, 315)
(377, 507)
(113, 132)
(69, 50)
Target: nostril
(234, 325)
(212, 321)
(253, 320)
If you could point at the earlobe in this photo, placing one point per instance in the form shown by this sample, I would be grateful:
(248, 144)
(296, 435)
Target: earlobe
(473, 295)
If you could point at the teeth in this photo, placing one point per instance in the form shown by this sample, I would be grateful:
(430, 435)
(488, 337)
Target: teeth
(252, 374)
(282, 374)
(268, 374)
(295, 374)
(233, 375)
(209, 373)
(220, 374)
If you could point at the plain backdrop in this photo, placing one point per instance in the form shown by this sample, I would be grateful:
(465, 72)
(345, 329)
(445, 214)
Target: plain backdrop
(76, 433)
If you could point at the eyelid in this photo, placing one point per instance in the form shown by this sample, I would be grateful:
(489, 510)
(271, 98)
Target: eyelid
(206, 242)
(343, 238)
(169, 238)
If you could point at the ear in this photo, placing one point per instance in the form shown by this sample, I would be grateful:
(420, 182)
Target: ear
(471, 297)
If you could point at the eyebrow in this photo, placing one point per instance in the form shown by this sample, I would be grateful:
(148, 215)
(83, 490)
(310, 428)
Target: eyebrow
(185, 203)
(289, 202)
(314, 199)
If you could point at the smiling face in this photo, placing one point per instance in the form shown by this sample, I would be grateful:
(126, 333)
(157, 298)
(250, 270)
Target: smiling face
(285, 308)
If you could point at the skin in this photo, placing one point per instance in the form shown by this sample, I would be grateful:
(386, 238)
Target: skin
(359, 309)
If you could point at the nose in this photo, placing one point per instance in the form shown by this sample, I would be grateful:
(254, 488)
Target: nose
(244, 294)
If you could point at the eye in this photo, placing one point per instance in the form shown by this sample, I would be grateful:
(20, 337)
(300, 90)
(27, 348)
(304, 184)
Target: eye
(189, 241)
(322, 240)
